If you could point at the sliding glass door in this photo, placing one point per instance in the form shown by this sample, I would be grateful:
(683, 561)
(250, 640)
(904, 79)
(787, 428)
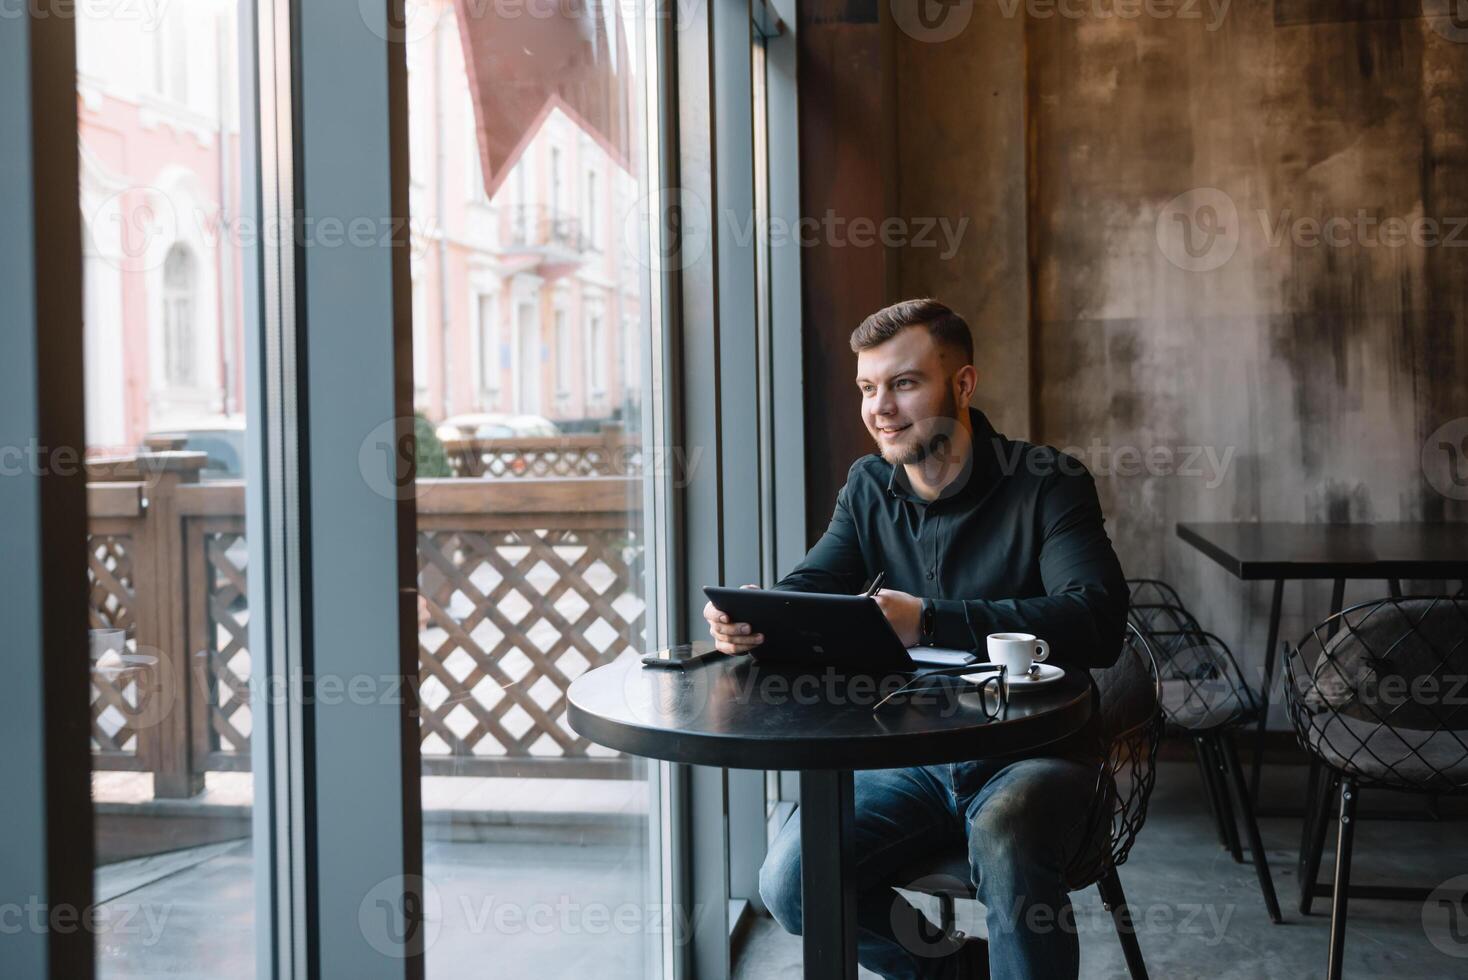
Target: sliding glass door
(165, 330)
(297, 259)
(528, 164)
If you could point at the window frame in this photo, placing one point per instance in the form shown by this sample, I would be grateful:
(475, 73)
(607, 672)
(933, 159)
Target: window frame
(328, 538)
(47, 851)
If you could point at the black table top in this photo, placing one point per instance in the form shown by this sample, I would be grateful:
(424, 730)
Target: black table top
(1277, 550)
(737, 714)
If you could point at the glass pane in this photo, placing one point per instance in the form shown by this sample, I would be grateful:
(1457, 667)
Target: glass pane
(532, 320)
(164, 336)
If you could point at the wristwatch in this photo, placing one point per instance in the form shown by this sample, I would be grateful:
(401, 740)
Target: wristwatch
(925, 623)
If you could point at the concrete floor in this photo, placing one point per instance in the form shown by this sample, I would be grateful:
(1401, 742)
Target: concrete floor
(1200, 916)
(541, 909)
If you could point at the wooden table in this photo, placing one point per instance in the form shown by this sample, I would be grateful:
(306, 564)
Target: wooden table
(735, 714)
(1279, 552)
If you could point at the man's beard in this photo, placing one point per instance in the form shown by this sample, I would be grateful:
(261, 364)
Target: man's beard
(936, 441)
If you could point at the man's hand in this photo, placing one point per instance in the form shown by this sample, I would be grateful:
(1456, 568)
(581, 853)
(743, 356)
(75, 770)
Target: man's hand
(904, 612)
(731, 637)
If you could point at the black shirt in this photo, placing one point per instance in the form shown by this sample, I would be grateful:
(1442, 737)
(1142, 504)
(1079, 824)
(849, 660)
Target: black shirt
(1015, 543)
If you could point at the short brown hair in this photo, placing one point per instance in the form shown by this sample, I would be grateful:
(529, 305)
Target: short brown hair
(948, 329)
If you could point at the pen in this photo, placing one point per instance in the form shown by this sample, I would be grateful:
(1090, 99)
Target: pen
(876, 584)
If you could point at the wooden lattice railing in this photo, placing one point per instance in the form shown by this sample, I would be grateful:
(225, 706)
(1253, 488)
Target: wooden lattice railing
(528, 583)
(609, 452)
(112, 543)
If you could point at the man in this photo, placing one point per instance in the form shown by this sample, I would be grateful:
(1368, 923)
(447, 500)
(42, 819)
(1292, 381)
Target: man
(977, 534)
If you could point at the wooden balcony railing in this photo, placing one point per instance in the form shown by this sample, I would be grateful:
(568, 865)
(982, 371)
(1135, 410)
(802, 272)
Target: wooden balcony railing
(609, 452)
(528, 582)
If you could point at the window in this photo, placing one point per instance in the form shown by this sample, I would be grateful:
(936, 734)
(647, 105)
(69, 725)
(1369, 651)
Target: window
(520, 205)
(173, 719)
(592, 230)
(563, 355)
(263, 548)
(420, 339)
(171, 53)
(102, 341)
(471, 156)
(596, 367)
(527, 360)
(180, 356)
(526, 591)
(489, 352)
(629, 382)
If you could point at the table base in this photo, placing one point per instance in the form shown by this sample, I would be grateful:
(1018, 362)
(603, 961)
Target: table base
(827, 892)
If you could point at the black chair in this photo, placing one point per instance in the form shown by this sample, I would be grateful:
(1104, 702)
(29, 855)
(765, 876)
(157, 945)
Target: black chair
(1132, 722)
(1155, 605)
(1376, 695)
(1205, 698)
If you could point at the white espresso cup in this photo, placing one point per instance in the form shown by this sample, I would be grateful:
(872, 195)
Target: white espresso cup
(1017, 651)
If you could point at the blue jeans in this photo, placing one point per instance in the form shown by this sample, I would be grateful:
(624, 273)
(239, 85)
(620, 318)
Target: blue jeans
(1025, 821)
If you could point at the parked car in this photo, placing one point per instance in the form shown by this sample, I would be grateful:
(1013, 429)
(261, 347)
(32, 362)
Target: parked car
(496, 425)
(223, 440)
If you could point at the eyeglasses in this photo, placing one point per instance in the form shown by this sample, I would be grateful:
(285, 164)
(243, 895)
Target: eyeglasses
(992, 690)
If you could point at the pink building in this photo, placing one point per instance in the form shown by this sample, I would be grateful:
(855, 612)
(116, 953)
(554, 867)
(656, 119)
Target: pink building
(526, 301)
(162, 274)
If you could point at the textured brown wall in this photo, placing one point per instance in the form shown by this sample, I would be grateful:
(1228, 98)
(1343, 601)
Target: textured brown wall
(967, 95)
(1320, 367)
(1312, 372)
(845, 124)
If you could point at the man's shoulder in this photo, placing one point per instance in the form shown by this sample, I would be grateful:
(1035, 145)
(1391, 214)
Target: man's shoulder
(1028, 461)
(869, 471)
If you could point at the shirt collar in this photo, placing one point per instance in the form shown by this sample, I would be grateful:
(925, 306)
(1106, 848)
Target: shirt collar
(979, 473)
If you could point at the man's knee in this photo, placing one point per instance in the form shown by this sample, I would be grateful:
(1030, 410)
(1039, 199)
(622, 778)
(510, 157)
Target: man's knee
(1009, 832)
(779, 887)
(1028, 823)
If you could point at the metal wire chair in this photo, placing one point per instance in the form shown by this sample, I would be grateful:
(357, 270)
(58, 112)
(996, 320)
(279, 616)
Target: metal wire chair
(1378, 693)
(1132, 722)
(1204, 697)
(1203, 688)
(1132, 719)
(1155, 605)
(1153, 591)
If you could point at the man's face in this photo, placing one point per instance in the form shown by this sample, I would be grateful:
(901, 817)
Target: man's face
(907, 398)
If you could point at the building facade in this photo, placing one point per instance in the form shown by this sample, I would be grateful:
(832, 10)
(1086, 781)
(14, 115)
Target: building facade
(526, 301)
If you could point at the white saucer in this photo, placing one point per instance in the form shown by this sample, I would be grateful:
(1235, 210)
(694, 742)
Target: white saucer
(1046, 675)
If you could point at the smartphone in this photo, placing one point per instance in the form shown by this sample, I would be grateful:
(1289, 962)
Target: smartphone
(682, 656)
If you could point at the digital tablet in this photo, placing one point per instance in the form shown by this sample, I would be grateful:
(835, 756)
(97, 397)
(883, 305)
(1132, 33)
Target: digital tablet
(816, 630)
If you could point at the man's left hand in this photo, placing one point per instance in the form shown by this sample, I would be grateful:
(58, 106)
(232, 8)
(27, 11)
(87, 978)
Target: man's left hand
(903, 611)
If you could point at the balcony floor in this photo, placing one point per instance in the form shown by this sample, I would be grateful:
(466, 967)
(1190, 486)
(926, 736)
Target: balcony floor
(534, 878)
(507, 910)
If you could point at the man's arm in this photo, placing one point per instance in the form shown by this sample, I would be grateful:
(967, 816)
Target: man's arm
(835, 564)
(1084, 611)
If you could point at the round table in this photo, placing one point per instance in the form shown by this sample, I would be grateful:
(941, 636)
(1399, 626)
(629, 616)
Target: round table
(734, 713)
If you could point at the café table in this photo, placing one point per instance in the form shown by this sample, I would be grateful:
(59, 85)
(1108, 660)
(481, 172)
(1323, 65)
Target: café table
(1281, 552)
(731, 712)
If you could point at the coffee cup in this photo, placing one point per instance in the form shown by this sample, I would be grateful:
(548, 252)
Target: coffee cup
(1017, 651)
